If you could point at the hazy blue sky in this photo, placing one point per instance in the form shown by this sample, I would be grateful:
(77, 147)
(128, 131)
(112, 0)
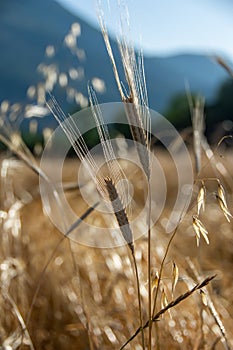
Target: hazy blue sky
(170, 26)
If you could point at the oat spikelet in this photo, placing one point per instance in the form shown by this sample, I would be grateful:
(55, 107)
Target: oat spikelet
(175, 276)
(164, 301)
(204, 297)
(222, 194)
(119, 213)
(200, 229)
(154, 279)
(221, 197)
(201, 198)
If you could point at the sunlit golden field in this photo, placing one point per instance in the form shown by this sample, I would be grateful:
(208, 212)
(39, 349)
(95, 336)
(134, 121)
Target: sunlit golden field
(58, 294)
(117, 277)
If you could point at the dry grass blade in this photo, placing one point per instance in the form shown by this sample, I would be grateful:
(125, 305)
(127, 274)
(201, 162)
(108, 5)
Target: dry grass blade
(173, 303)
(218, 321)
(23, 153)
(79, 220)
(206, 299)
(42, 274)
(21, 321)
(213, 347)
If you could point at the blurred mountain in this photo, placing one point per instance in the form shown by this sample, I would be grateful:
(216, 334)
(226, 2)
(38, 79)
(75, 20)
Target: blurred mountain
(27, 27)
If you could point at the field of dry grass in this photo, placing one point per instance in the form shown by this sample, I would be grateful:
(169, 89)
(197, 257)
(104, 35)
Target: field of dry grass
(155, 290)
(86, 297)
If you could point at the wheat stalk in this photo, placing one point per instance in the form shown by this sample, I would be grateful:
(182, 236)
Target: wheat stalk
(138, 115)
(105, 185)
(119, 213)
(123, 223)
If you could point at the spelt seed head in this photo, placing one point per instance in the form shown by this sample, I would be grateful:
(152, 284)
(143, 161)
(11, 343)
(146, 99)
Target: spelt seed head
(120, 213)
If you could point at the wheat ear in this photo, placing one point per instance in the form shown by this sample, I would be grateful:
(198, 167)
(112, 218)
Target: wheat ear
(127, 234)
(119, 213)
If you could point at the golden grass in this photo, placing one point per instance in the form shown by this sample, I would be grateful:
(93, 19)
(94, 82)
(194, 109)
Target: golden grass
(88, 298)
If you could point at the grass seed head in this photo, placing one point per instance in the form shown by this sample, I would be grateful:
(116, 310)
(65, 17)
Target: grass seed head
(119, 212)
(201, 198)
(175, 276)
(200, 229)
(221, 197)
